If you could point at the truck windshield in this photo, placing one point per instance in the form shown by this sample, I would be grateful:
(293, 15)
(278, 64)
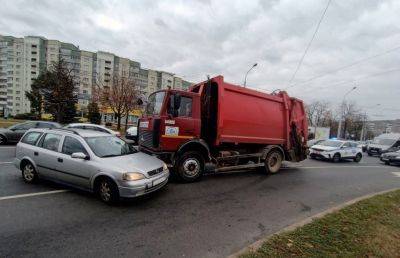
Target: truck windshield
(154, 103)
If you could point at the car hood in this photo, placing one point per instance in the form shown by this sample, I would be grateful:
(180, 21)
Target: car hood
(137, 162)
(392, 154)
(382, 147)
(324, 148)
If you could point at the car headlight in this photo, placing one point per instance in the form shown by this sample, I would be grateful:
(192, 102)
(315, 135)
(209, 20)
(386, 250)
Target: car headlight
(165, 167)
(132, 176)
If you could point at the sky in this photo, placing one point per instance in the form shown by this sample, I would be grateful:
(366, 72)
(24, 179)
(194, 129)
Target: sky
(357, 44)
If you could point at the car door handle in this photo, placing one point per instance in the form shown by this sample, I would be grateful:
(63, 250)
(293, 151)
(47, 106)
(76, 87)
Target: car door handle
(60, 160)
(36, 153)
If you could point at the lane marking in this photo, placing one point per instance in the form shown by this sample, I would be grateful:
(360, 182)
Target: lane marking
(396, 174)
(31, 194)
(335, 167)
(6, 162)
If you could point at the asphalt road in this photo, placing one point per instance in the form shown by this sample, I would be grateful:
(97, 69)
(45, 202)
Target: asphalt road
(212, 218)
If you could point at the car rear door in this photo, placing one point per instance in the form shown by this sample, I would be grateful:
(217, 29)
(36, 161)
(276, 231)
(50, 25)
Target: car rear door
(46, 157)
(72, 170)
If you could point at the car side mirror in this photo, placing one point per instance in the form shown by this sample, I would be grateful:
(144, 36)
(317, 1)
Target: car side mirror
(79, 155)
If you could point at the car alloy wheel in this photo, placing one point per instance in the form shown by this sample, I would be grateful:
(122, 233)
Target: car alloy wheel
(105, 191)
(28, 173)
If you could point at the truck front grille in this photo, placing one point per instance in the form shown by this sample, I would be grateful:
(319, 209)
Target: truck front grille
(146, 138)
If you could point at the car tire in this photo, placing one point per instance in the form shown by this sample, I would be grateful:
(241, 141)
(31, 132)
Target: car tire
(273, 161)
(107, 191)
(29, 174)
(3, 140)
(190, 167)
(358, 157)
(369, 154)
(387, 162)
(336, 158)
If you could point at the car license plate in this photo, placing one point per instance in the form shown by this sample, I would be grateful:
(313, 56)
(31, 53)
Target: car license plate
(158, 181)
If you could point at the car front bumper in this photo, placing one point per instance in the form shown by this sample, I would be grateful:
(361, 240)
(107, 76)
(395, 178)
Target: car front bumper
(320, 154)
(145, 186)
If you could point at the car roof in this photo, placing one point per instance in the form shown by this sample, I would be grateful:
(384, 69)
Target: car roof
(80, 132)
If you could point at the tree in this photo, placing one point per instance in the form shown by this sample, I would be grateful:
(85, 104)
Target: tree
(35, 96)
(93, 113)
(119, 95)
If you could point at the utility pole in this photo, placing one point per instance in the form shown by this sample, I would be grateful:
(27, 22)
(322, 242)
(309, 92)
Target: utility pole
(245, 77)
(342, 111)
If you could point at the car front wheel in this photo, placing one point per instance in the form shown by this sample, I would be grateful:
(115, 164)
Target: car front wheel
(336, 158)
(107, 191)
(358, 157)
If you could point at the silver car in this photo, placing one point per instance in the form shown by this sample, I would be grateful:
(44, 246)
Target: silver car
(90, 160)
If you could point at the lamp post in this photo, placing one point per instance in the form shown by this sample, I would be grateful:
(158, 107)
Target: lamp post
(341, 112)
(245, 77)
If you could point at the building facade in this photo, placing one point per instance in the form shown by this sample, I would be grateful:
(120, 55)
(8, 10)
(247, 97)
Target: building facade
(23, 59)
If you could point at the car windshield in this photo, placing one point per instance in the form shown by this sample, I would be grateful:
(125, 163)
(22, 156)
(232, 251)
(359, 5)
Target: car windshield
(154, 103)
(109, 146)
(331, 143)
(383, 141)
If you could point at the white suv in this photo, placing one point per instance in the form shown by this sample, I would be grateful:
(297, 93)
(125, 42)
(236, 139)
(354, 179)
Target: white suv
(336, 150)
(90, 160)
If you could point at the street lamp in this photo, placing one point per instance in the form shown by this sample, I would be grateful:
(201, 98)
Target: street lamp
(341, 115)
(245, 77)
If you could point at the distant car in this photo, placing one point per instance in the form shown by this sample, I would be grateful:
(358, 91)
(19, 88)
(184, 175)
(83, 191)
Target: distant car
(94, 127)
(131, 133)
(384, 143)
(14, 133)
(314, 142)
(391, 157)
(336, 150)
(89, 160)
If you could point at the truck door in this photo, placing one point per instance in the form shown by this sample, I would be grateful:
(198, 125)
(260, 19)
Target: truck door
(180, 125)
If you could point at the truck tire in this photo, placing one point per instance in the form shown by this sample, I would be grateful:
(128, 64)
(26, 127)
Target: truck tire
(273, 161)
(190, 166)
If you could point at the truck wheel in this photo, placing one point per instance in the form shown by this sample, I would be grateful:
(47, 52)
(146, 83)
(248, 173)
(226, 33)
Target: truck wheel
(273, 161)
(336, 158)
(358, 157)
(190, 166)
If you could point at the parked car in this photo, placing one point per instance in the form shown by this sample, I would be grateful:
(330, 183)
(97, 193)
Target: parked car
(89, 160)
(364, 145)
(314, 142)
(131, 133)
(94, 127)
(14, 133)
(387, 142)
(391, 157)
(336, 150)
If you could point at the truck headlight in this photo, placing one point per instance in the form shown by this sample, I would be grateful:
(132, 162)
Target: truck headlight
(165, 167)
(132, 176)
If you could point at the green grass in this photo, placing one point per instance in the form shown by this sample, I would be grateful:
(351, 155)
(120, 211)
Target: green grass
(9, 122)
(369, 228)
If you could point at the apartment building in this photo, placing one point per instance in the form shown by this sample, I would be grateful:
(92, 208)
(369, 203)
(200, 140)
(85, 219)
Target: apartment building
(22, 59)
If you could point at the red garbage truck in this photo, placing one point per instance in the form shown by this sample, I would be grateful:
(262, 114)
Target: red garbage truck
(226, 126)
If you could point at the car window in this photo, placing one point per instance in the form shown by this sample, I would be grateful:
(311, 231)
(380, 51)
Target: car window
(72, 145)
(51, 141)
(25, 126)
(346, 145)
(31, 138)
(354, 145)
(109, 146)
(45, 125)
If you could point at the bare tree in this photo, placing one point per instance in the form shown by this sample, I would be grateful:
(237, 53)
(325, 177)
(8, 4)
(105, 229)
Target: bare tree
(353, 119)
(318, 113)
(119, 94)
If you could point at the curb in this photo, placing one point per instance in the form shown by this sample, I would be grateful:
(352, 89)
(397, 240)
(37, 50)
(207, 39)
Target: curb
(256, 245)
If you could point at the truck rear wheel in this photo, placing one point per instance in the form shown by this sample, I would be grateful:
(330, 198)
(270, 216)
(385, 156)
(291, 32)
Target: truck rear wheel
(190, 166)
(273, 161)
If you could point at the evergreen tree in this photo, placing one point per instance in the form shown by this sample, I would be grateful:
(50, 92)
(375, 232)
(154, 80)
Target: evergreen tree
(93, 113)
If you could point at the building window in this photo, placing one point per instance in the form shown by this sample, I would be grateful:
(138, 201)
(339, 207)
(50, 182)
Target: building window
(33, 52)
(33, 59)
(34, 46)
